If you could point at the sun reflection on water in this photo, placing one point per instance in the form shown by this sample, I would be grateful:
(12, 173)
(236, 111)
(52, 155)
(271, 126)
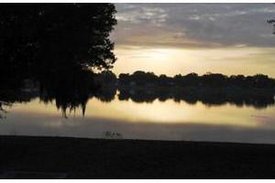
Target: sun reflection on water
(168, 112)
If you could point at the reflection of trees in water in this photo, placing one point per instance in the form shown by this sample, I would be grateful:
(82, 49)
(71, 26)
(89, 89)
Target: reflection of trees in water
(106, 86)
(211, 89)
(207, 96)
(71, 89)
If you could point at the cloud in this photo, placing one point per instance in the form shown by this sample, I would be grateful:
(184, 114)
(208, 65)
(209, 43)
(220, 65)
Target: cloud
(140, 15)
(194, 25)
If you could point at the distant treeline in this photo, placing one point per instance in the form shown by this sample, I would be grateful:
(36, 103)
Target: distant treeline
(207, 80)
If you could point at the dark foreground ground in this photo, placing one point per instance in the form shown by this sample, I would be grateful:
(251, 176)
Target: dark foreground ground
(51, 157)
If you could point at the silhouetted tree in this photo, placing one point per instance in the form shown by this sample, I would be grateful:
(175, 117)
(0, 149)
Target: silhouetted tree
(39, 36)
(217, 80)
(78, 33)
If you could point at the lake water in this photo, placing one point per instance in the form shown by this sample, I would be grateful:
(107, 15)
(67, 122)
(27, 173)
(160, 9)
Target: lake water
(168, 120)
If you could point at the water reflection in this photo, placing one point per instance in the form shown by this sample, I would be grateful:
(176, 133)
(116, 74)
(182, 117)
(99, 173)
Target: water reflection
(71, 91)
(83, 104)
(158, 120)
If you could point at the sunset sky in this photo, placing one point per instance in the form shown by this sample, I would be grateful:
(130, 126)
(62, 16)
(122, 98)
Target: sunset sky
(182, 38)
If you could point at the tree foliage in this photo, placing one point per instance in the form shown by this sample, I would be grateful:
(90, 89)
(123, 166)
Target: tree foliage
(40, 36)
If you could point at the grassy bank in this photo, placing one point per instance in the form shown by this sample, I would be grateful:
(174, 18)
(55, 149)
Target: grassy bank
(50, 157)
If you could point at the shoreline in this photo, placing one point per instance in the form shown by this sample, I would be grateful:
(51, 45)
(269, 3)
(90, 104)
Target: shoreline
(69, 157)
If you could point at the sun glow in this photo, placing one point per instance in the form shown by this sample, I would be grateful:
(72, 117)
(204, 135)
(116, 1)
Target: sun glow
(172, 61)
(159, 54)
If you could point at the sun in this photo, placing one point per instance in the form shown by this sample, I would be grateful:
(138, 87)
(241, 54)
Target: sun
(159, 54)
